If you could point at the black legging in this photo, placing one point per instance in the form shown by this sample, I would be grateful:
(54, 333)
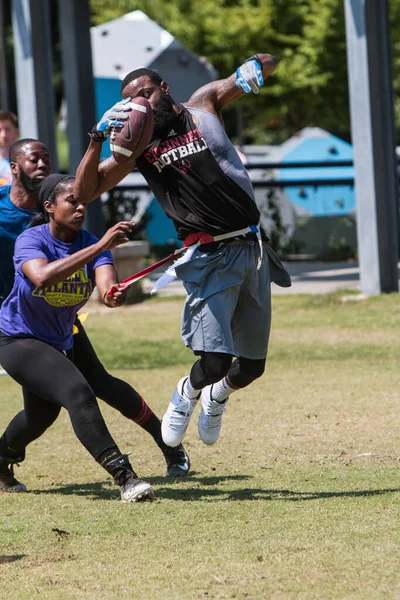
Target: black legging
(113, 391)
(50, 381)
(213, 366)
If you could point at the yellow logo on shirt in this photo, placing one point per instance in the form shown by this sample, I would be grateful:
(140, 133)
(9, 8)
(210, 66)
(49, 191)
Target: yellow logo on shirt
(70, 292)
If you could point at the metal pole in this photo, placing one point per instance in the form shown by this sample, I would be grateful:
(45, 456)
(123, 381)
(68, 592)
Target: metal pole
(372, 121)
(43, 70)
(74, 16)
(5, 92)
(24, 69)
(33, 69)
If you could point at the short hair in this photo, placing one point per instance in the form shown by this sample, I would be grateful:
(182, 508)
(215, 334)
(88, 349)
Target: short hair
(17, 147)
(152, 75)
(7, 115)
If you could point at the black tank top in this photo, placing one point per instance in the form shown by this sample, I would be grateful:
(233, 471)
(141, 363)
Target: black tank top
(190, 185)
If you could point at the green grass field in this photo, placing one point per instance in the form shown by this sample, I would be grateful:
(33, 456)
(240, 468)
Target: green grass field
(298, 500)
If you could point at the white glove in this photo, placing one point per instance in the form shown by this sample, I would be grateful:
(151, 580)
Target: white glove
(249, 76)
(113, 117)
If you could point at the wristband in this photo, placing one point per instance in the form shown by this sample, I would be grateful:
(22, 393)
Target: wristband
(97, 135)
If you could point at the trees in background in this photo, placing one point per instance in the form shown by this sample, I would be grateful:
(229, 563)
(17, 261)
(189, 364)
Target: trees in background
(309, 87)
(308, 36)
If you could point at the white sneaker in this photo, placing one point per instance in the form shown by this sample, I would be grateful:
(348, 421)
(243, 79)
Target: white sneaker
(136, 490)
(177, 416)
(210, 419)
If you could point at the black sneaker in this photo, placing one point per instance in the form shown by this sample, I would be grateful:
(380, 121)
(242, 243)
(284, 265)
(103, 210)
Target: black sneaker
(132, 488)
(178, 463)
(135, 490)
(8, 483)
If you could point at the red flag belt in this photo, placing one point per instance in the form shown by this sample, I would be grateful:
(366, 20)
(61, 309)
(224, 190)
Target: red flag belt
(197, 239)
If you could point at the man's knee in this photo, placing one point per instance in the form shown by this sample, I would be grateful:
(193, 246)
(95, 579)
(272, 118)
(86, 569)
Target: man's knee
(211, 367)
(244, 371)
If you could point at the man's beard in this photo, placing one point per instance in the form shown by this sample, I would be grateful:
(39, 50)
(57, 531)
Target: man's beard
(30, 184)
(163, 114)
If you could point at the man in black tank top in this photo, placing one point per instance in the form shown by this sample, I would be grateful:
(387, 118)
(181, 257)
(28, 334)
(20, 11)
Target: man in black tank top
(197, 177)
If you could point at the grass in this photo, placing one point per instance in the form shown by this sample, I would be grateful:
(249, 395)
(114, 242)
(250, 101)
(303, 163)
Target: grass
(298, 500)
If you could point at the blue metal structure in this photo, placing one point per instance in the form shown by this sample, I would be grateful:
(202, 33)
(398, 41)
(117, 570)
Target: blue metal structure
(319, 201)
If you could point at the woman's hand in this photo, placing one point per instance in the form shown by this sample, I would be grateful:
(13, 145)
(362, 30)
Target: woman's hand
(116, 235)
(118, 297)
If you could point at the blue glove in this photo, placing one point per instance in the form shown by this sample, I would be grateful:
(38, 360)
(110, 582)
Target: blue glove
(112, 118)
(249, 76)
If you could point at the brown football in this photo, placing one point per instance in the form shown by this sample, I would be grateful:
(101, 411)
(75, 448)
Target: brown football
(128, 142)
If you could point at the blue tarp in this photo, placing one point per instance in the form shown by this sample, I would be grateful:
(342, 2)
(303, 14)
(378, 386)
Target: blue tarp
(322, 200)
(108, 92)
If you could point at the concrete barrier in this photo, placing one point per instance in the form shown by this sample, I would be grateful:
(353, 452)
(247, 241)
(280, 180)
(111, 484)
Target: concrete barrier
(128, 259)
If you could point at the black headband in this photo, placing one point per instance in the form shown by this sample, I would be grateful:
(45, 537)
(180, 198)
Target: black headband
(47, 186)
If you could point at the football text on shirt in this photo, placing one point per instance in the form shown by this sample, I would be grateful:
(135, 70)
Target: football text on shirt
(176, 148)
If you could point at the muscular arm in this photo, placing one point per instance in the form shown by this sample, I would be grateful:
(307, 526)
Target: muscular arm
(216, 95)
(94, 178)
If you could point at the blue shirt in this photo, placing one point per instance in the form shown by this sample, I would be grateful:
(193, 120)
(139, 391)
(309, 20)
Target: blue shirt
(48, 312)
(13, 221)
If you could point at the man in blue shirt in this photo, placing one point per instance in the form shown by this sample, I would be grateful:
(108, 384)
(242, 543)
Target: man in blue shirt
(18, 202)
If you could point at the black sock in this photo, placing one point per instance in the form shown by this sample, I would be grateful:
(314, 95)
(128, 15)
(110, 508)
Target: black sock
(153, 427)
(148, 421)
(108, 455)
(11, 453)
(119, 468)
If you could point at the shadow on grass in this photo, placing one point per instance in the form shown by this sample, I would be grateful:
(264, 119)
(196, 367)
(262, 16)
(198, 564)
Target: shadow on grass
(9, 558)
(105, 490)
(183, 490)
(195, 478)
(199, 494)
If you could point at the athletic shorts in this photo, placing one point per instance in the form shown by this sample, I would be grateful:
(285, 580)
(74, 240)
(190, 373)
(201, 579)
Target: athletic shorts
(228, 307)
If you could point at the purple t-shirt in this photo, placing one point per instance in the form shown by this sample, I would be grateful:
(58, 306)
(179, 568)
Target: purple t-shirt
(48, 313)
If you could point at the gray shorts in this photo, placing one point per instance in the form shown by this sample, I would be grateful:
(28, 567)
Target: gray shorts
(228, 307)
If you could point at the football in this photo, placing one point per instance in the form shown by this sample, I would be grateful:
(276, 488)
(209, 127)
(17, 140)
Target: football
(128, 142)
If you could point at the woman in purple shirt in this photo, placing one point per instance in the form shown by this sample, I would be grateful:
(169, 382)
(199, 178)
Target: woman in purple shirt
(57, 265)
